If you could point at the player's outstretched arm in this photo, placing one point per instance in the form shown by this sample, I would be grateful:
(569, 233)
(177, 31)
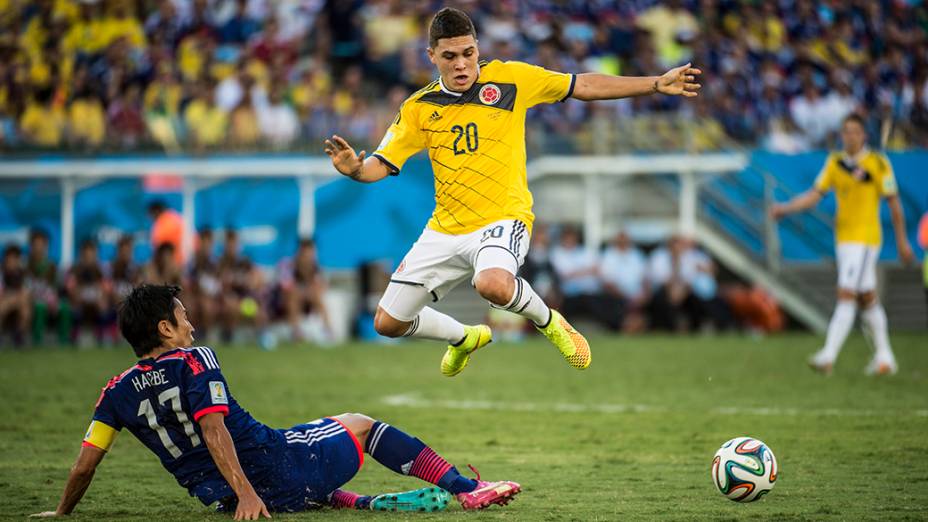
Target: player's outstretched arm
(596, 86)
(355, 166)
(902, 240)
(78, 481)
(804, 201)
(221, 448)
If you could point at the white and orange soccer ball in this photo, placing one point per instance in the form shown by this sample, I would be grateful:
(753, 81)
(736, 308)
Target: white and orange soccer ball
(744, 469)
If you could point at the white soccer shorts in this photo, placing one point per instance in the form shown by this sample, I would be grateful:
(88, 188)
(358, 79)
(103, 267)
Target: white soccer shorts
(857, 266)
(438, 262)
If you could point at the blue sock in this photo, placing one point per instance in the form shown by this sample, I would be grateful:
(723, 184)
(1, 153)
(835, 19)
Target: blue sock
(408, 455)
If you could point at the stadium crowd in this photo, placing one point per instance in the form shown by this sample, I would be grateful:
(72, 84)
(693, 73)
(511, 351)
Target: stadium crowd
(201, 75)
(224, 290)
(673, 288)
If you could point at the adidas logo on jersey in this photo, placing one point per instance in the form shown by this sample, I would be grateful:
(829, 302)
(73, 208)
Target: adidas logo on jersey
(435, 116)
(406, 467)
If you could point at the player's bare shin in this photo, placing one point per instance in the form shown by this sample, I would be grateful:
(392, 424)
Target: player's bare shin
(221, 448)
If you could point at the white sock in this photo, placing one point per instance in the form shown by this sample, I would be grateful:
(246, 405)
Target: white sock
(874, 318)
(432, 324)
(841, 323)
(527, 303)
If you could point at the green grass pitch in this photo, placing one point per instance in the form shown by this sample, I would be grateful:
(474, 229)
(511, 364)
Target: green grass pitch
(631, 438)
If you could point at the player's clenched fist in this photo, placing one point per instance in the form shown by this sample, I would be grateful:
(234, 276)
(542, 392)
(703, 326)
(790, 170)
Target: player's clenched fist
(343, 157)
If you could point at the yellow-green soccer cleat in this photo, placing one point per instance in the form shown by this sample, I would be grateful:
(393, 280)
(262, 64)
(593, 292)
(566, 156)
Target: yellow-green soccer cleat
(456, 357)
(571, 343)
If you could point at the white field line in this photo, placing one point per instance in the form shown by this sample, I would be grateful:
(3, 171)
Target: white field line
(412, 400)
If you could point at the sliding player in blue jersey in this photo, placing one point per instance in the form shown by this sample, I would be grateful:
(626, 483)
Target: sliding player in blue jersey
(176, 401)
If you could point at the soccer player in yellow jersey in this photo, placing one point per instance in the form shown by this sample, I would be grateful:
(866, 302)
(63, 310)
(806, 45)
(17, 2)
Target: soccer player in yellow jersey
(472, 122)
(860, 178)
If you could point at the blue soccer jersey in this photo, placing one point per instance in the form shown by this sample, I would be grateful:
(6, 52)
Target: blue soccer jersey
(160, 401)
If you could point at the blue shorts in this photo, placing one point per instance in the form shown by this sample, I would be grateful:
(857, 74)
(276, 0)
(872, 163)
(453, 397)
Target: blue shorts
(322, 456)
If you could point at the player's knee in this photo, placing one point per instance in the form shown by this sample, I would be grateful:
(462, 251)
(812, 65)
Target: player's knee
(358, 424)
(495, 285)
(846, 295)
(388, 326)
(866, 299)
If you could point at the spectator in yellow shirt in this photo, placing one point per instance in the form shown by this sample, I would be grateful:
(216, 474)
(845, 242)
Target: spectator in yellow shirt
(206, 123)
(244, 131)
(86, 121)
(42, 123)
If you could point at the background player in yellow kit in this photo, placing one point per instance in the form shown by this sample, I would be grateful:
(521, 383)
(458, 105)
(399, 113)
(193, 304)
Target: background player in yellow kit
(472, 122)
(860, 178)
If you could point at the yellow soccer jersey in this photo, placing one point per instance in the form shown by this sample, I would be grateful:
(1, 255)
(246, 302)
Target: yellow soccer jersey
(476, 142)
(858, 185)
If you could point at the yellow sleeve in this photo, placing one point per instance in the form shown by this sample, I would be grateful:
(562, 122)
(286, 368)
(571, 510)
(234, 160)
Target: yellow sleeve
(100, 435)
(887, 180)
(403, 139)
(826, 178)
(539, 85)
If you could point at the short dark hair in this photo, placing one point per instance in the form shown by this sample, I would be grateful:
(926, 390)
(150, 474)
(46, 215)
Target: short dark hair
(142, 310)
(38, 233)
(448, 23)
(307, 242)
(857, 118)
(157, 206)
(12, 250)
(164, 248)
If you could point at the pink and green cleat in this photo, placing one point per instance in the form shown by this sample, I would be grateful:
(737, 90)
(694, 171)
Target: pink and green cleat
(488, 493)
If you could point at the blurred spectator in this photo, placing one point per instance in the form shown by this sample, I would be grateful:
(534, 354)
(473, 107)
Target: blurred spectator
(538, 269)
(240, 27)
(686, 291)
(811, 114)
(672, 296)
(242, 292)
(671, 27)
(86, 121)
(578, 272)
(205, 288)
(88, 293)
(206, 122)
(42, 278)
(42, 123)
(15, 305)
(126, 122)
(277, 120)
(124, 272)
(167, 227)
(623, 269)
(699, 271)
(301, 290)
(163, 268)
(244, 131)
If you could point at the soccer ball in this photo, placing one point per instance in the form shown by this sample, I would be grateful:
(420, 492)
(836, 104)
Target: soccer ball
(744, 469)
